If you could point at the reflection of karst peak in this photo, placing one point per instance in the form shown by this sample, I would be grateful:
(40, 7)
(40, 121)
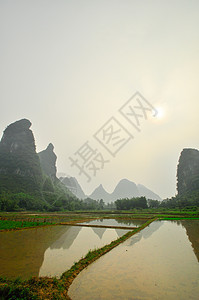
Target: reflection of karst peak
(153, 227)
(24, 250)
(99, 231)
(134, 239)
(192, 230)
(67, 238)
(120, 232)
(145, 233)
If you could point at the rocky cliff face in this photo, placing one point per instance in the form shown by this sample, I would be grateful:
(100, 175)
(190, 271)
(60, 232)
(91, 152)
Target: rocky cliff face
(53, 190)
(19, 163)
(188, 171)
(18, 138)
(28, 180)
(48, 161)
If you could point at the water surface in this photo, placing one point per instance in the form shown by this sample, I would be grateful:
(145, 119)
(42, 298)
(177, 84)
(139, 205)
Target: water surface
(116, 222)
(160, 262)
(49, 251)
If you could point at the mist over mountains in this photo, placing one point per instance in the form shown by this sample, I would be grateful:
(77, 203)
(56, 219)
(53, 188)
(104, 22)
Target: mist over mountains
(72, 184)
(124, 189)
(28, 180)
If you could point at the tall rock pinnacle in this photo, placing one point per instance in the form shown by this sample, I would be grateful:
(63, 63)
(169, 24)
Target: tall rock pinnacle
(19, 163)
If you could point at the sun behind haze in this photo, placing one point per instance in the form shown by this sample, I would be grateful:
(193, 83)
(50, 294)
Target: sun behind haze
(69, 66)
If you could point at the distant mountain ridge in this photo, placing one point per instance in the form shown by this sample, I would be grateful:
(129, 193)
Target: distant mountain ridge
(100, 193)
(144, 191)
(124, 189)
(72, 185)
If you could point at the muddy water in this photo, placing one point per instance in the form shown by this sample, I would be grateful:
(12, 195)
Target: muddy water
(49, 251)
(117, 223)
(158, 263)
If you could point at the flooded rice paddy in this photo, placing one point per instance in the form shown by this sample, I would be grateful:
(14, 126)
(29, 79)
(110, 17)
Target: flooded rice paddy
(49, 251)
(160, 262)
(116, 223)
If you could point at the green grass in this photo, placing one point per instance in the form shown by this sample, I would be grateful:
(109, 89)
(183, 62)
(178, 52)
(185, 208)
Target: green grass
(24, 220)
(7, 224)
(34, 288)
(178, 218)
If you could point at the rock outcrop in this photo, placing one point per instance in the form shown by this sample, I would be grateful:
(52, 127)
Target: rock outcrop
(188, 171)
(54, 191)
(28, 180)
(48, 161)
(19, 163)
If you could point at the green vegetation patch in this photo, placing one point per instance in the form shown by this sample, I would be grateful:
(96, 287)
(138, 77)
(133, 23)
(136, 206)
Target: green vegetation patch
(8, 225)
(179, 218)
(34, 288)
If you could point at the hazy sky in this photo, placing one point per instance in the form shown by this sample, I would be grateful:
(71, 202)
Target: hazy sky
(68, 67)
